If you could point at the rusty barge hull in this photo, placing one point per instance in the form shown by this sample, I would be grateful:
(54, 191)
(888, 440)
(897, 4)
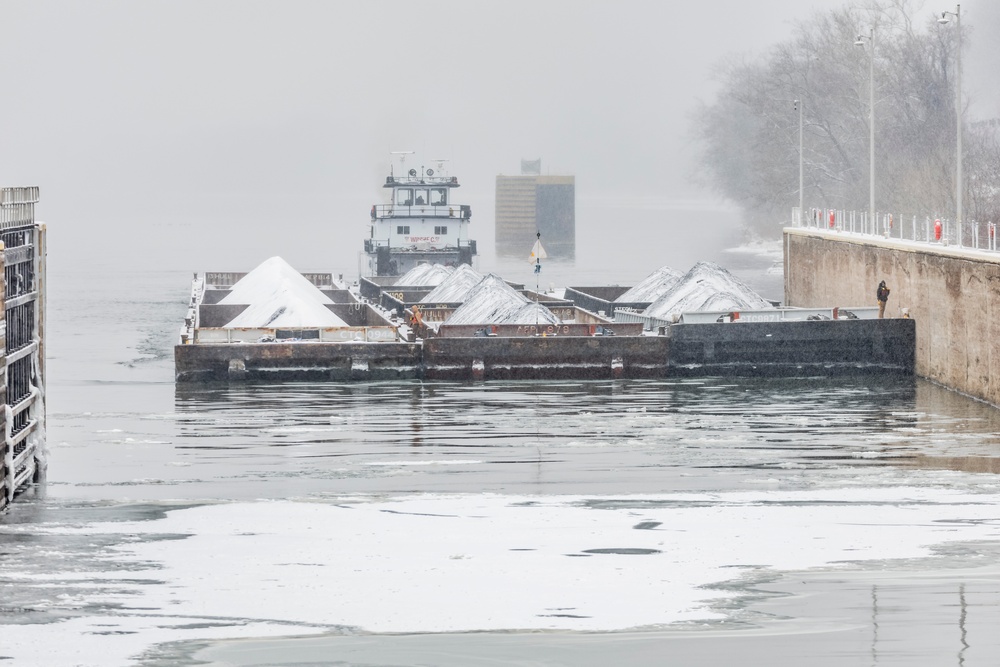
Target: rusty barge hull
(780, 349)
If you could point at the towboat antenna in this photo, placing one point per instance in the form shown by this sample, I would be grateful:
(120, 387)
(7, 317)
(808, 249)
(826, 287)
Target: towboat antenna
(402, 160)
(440, 165)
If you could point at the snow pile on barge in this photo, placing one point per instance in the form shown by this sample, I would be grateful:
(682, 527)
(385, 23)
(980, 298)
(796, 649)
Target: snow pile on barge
(531, 313)
(268, 278)
(279, 296)
(493, 301)
(286, 309)
(707, 286)
(456, 287)
(426, 275)
(652, 287)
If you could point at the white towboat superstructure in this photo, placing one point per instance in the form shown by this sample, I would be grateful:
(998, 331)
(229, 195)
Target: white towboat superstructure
(420, 223)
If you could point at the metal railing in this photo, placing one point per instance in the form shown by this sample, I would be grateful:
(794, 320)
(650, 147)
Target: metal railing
(971, 234)
(651, 323)
(457, 212)
(22, 426)
(17, 206)
(22, 195)
(372, 244)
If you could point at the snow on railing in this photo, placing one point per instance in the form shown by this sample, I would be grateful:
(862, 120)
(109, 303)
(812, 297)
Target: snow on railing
(937, 230)
(17, 206)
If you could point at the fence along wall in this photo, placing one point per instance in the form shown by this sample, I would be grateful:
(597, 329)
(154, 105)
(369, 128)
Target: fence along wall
(953, 294)
(23, 325)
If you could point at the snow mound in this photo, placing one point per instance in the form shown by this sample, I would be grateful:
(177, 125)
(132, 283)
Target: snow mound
(271, 277)
(456, 287)
(490, 302)
(707, 286)
(531, 313)
(425, 275)
(279, 296)
(652, 287)
(288, 310)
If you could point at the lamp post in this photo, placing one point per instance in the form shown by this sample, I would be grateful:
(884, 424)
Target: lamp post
(958, 108)
(798, 105)
(860, 41)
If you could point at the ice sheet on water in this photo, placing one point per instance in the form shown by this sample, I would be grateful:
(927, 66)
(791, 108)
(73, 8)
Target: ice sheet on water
(425, 275)
(707, 286)
(519, 554)
(456, 287)
(492, 301)
(271, 276)
(652, 287)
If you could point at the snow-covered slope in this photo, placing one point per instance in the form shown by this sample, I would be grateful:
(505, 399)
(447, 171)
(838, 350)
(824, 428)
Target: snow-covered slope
(286, 309)
(490, 302)
(707, 286)
(425, 275)
(531, 313)
(456, 287)
(279, 296)
(272, 276)
(652, 287)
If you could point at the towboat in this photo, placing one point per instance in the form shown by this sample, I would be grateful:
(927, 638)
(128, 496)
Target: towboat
(421, 222)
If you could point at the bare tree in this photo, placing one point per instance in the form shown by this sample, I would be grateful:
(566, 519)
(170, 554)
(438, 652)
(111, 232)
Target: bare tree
(749, 136)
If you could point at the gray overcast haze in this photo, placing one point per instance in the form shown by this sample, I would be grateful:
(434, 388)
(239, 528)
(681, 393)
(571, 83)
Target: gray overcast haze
(212, 135)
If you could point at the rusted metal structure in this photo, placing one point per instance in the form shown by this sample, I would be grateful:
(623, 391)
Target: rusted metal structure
(22, 392)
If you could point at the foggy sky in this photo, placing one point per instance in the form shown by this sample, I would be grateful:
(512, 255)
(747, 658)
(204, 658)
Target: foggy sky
(212, 135)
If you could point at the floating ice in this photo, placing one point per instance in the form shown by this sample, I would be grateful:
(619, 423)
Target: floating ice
(652, 287)
(456, 287)
(706, 286)
(425, 275)
(502, 563)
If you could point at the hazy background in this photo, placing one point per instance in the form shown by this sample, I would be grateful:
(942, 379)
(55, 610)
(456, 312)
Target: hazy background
(212, 135)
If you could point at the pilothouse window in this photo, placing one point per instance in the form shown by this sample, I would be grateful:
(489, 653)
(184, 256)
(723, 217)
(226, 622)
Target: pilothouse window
(421, 197)
(439, 196)
(404, 197)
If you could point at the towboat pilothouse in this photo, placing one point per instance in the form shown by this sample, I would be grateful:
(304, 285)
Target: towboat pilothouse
(420, 223)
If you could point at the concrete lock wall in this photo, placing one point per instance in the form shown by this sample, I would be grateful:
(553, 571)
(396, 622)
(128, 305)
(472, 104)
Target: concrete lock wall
(952, 294)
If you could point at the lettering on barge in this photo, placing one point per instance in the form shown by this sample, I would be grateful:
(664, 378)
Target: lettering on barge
(550, 330)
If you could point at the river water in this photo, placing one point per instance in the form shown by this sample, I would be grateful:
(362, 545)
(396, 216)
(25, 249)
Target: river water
(778, 522)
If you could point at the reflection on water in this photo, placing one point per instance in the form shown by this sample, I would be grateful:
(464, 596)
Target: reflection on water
(980, 464)
(572, 437)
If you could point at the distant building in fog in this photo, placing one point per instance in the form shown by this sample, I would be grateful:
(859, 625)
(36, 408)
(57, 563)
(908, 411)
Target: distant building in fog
(532, 203)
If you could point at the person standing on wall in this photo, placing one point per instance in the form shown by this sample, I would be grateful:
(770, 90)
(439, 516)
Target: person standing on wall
(882, 295)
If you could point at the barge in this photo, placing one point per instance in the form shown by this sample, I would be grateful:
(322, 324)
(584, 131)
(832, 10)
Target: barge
(274, 324)
(376, 342)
